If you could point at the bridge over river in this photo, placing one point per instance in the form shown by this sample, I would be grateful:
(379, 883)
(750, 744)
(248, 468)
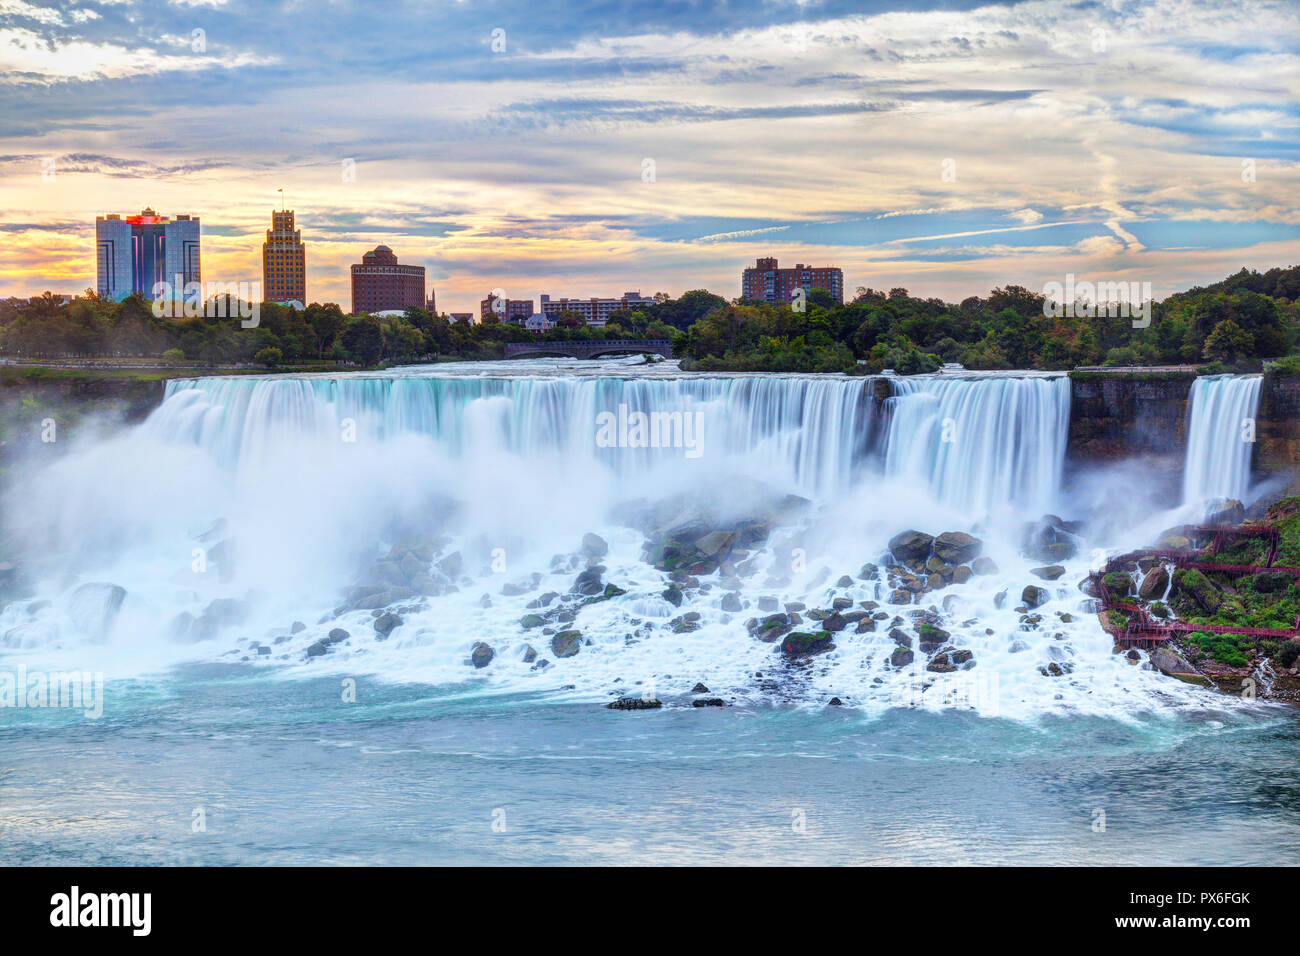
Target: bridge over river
(586, 349)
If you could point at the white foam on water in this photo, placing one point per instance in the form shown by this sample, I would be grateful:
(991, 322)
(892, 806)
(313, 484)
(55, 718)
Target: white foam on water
(313, 477)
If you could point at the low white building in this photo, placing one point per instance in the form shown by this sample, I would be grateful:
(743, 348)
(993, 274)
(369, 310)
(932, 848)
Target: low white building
(594, 312)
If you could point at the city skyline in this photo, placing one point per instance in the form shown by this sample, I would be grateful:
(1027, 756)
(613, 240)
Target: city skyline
(637, 157)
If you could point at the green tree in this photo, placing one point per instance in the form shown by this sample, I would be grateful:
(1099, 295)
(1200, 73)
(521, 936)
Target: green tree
(270, 357)
(1228, 343)
(363, 340)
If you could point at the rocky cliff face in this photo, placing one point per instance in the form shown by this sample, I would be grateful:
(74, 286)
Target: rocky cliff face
(1277, 430)
(1115, 416)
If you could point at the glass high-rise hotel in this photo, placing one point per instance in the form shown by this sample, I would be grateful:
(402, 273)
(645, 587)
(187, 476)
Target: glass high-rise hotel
(135, 253)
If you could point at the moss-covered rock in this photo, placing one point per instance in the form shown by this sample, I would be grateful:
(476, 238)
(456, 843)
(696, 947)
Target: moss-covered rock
(566, 643)
(932, 638)
(800, 644)
(770, 628)
(1193, 592)
(1118, 584)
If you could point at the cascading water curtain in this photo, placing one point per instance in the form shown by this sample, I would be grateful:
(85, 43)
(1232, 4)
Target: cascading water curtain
(1220, 437)
(812, 433)
(984, 443)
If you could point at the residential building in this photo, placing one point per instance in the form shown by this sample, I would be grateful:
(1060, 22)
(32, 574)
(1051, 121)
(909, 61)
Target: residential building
(507, 310)
(765, 282)
(379, 283)
(594, 312)
(136, 253)
(284, 263)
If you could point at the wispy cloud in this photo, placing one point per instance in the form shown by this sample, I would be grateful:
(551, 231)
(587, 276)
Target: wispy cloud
(938, 141)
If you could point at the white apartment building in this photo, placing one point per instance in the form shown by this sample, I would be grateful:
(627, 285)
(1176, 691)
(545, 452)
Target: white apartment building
(594, 312)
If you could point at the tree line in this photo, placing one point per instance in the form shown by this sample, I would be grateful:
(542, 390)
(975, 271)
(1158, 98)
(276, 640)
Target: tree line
(1231, 325)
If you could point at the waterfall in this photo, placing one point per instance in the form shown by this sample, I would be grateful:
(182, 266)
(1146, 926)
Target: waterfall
(258, 511)
(1220, 437)
(810, 433)
(981, 443)
(977, 443)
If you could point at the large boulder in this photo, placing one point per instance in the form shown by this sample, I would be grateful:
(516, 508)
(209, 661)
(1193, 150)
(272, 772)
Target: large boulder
(957, 547)
(93, 608)
(770, 628)
(594, 546)
(566, 643)
(451, 565)
(635, 703)
(1226, 511)
(589, 582)
(385, 623)
(911, 546)
(1048, 540)
(1154, 584)
(219, 614)
(1193, 592)
(481, 654)
(1173, 539)
(1170, 662)
(799, 644)
(940, 664)
(901, 657)
(932, 638)
(716, 544)
(1034, 596)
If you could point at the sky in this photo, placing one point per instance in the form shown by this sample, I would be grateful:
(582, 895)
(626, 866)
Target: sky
(593, 147)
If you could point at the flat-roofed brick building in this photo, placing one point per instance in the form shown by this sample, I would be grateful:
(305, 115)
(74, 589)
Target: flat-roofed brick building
(766, 282)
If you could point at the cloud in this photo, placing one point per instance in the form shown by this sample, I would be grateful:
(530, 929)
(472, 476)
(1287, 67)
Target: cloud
(815, 130)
